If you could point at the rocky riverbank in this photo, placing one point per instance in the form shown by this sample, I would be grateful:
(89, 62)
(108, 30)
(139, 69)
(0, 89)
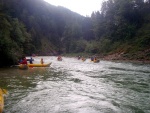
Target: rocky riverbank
(140, 57)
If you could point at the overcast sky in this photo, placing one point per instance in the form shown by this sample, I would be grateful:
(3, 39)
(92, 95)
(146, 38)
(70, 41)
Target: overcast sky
(83, 7)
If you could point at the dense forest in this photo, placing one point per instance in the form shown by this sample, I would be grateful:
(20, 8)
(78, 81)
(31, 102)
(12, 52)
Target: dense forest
(120, 28)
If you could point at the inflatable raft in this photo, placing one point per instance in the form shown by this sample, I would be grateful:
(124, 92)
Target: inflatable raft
(23, 66)
(39, 65)
(96, 61)
(2, 93)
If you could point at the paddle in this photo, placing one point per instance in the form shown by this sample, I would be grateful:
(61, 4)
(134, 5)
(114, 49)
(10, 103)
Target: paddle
(14, 66)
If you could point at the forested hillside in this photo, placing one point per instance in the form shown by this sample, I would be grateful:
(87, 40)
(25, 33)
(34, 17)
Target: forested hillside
(121, 27)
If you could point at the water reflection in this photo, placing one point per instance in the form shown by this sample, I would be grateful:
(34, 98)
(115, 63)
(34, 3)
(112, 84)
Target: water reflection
(73, 86)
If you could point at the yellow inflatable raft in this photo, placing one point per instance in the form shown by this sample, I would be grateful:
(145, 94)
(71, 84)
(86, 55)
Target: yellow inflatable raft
(39, 65)
(2, 93)
(96, 61)
(23, 66)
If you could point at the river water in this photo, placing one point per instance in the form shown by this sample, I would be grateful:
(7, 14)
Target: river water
(73, 86)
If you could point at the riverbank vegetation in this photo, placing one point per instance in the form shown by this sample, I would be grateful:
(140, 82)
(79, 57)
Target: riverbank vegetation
(120, 30)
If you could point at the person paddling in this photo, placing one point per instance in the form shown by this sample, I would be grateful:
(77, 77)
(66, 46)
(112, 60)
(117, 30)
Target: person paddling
(31, 60)
(42, 62)
(24, 61)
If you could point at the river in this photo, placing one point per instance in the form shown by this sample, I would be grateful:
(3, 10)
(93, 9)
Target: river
(73, 86)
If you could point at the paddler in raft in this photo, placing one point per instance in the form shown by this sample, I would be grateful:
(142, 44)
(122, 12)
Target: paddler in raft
(59, 58)
(92, 58)
(83, 59)
(24, 61)
(31, 61)
(79, 57)
(23, 64)
(42, 62)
